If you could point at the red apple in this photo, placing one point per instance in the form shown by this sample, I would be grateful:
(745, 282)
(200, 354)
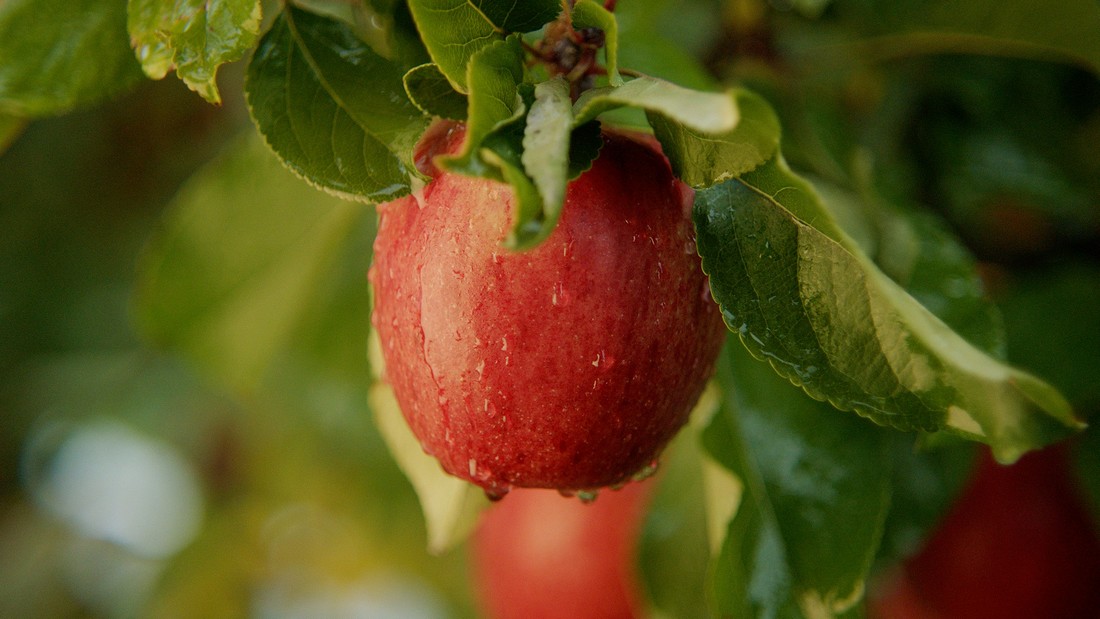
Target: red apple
(537, 555)
(567, 366)
(1019, 544)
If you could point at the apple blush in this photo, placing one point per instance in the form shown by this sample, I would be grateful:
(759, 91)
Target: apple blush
(566, 366)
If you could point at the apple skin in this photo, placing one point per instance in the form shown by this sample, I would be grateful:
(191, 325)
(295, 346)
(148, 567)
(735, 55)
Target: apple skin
(1018, 544)
(567, 366)
(537, 555)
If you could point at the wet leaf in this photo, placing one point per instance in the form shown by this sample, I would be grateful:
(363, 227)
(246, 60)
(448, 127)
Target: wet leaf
(814, 494)
(194, 37)
(802, 294)
(334, 111)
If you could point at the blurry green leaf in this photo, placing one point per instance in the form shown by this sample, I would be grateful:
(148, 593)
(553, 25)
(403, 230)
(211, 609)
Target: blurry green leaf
(801, 294)
(1050, 317)
(814, 498)
(451, 505)
(194, 37)
(10, 128)
(703, 159)
(546, 158)
(589, 14)
(58, 54)
(229, 278)
(454, 31)
(674, 541)
(1062, 32)
(335, 112)
(706, 112)
(430, 91)
(925, 485)
(653, 55)
(494, 76)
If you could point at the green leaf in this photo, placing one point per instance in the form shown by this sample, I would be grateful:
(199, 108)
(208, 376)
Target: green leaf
(10, 128)
(194, 37)
(517, 16)
(58, 54)
(451, 506)
(494, 76)
(801, 294)
(815, 494)
(704, 158)
(430, 91)
(705, 112)
(1065, 31)
(589, 14)
(546, 158)
(674, 540)
(454, 31)
(244, 250)
(334, 111)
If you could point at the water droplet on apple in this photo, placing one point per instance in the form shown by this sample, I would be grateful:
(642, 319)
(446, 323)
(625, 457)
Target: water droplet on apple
(647, 471)
(496, 493)
(588, 496)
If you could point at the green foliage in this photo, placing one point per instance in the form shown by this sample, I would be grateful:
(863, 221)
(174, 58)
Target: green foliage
(229, 287)
(815, 491)
(867, 306)
(430, 91)
(75, 56)
(802, 295)
(334, 111)
(193, 37)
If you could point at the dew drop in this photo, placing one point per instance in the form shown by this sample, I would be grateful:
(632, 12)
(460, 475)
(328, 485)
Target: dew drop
(496, 493)
(646, 471)
(588, 496)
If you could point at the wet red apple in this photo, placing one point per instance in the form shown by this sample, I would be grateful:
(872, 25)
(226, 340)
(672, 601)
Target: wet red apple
(1018, 544)
(566, 366)
(537, 555)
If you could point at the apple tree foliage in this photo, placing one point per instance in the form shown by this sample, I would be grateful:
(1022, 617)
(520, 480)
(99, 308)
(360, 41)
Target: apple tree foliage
(827, 277)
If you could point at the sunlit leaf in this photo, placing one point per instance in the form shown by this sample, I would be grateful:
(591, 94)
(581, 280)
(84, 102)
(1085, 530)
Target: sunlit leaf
(430, 91)
(58, 54)
(194, 37)
(706, 112)
(546, 156)
(802, 294)
(703, 158)
(334, 111)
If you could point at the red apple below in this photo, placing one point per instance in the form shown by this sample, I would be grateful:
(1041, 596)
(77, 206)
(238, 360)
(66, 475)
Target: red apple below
(568, 366)
(1019, 544)
(538, 555)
